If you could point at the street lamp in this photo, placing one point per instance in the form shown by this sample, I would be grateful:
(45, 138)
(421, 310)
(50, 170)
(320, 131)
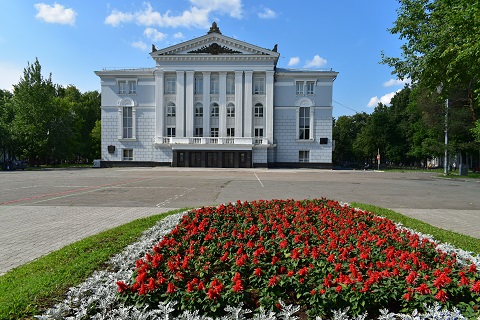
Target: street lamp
(445, 162)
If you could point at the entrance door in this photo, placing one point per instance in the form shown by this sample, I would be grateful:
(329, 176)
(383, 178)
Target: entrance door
(212, 159)
(195, 159)
(228, 159)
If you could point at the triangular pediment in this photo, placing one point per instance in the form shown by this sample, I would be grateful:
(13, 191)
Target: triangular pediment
(213, 43)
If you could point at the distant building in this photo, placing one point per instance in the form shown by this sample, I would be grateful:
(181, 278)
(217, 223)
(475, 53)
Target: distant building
(215, 101)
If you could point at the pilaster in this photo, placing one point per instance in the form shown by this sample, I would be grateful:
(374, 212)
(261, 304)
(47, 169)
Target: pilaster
(222, 101)
(239, 103)
(248, 104)
(180, 105)
(206, 103)
(189, 102)
(159, 110)
(269, 105)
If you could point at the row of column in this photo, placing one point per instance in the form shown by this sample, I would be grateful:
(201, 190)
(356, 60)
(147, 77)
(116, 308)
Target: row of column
(185, 101)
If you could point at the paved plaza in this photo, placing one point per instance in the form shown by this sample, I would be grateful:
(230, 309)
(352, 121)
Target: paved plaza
(42, 211)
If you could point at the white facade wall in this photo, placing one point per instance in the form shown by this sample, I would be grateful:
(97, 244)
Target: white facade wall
(243, 62)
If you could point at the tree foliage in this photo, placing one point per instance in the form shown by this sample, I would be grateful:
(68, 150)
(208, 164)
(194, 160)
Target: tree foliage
(47, 123)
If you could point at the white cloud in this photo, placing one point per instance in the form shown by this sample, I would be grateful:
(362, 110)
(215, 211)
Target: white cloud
(154, 34)
(316, 62)
(178, 35)
(267, 13)
(196, 16)
(55, 14)
(140, 45)
(293, 61)
(11, 74)
(117, 17)
(396, 82)
(385, 99)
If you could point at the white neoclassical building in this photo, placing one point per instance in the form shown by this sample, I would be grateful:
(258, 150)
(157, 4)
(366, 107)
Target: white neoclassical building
(215, 101)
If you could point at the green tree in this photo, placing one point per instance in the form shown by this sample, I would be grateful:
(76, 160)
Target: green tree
(345, 130)
(442, 46)
(96, 139)
(33, 101)
(6, 117)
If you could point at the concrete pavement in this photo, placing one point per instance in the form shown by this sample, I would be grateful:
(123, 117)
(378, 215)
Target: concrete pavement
(42, 211)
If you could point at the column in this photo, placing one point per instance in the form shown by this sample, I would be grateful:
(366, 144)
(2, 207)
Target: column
(269, 105)
(222, 101)
(238, 103)
(159, 112)
(206, 104)
(180, 105)
(248, 123)
(189, 102)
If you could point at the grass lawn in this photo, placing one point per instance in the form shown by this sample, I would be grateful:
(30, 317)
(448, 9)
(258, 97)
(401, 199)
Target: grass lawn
(31, 288)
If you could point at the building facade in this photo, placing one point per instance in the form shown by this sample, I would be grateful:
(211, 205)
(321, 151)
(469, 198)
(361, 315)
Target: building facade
(215, 101)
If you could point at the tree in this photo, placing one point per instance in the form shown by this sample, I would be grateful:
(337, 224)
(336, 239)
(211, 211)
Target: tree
(345, 130)
(33, 112)
(442, 46)
(96, 138)
(6, 117)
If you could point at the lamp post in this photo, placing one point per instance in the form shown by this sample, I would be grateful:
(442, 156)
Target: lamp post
(445, 162)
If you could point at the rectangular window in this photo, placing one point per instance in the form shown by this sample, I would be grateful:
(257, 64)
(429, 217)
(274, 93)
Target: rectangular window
(299, 88)
(230, 85)
(132, 87)
(171, 132)
(214, 132)
(122, 87)
(198, 132)
(230, 132)
(171, 110)
(304, 123)
(127, 154)
(198, 85)
(127, 122)
(199, 111)
(258, 133)
(303, 156)
(310, 87)
(214, 84)
(170, 85)
(259, 85)
(214, 112)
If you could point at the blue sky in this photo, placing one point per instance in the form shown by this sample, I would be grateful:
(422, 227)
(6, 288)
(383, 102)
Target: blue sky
(73, 38)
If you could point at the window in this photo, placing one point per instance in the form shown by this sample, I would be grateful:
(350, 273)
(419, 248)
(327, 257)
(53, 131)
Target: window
(259, 85)
(310, 87)
(171, 132)
(198, 110)
(214, 84)
(214, 112)
(198, 85)
(132, 87)
(127, 154)
(230, 110)
(170, 85)
(303, 156)
(198, 132)
(323, 140)
(299, 88)
(230, 132)
(258, 132)
(214, 132)
(127, 87)
(230, 84)
(258, 110)
(127, 123)
(304, 123)
(171, 109)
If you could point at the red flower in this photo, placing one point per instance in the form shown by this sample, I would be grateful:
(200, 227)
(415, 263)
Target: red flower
(151, 284)
(171, 288)
(338, 288)
(238, 287)
(423, 289)
(258, 272)
(142, 290)
(441, 296)
(275, 259)
(122, 287)
(331, 258)
(412, 277)
(283, 244)
(273, 281)
(476, 287)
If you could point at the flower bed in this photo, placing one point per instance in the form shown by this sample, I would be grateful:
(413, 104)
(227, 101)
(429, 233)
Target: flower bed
(316, 254)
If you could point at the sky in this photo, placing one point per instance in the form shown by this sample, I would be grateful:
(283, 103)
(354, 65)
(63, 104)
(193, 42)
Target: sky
(71, 39)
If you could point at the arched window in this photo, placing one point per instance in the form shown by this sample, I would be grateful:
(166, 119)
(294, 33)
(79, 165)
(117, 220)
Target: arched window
(230, 110)
(214, 110)
(171, 109)
(258, 110)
